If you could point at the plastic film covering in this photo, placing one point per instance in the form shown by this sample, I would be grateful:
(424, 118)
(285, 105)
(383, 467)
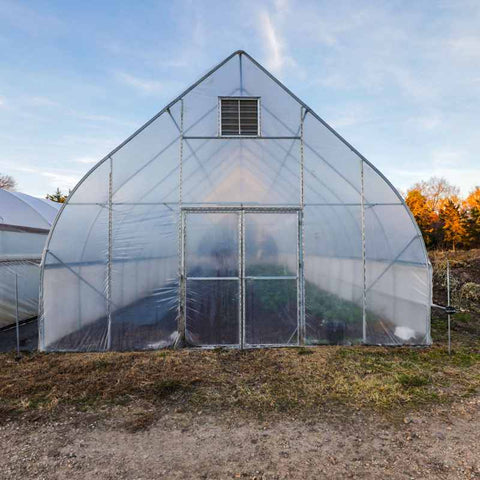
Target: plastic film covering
(21, 210)
(333, 274)
(19, 279)
(333, 238)
(78, 278)
(213, 312)
(396, 299)
(271, 272)
(212, 269)
(240, 171)
(271, 244)
(144, 277)
(24, 225)
(182, 236)
(271, 312)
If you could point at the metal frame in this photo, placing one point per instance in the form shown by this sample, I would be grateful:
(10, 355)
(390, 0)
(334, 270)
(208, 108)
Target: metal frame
(364, 257)
(302, 333)
(243, 281)
(241, 137)
(242, 278)
(110, 256)
(245, 208)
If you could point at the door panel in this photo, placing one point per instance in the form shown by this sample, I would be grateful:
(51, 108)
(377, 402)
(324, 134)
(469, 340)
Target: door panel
(271, 278)
(212, 245)
(212, 312)
(271, 312)
(212, 279)
(271, 244)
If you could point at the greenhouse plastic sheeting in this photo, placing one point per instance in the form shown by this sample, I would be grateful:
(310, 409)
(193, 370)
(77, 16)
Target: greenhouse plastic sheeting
(184, 237)
(24, 224)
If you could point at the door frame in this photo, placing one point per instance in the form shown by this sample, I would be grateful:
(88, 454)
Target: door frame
(241, 211)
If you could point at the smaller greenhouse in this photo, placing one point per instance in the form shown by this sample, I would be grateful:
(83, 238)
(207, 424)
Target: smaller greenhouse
(236, 217)
(24, 225)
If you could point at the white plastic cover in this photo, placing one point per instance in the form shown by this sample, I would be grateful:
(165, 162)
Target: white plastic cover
(183, 236)
(24, 224)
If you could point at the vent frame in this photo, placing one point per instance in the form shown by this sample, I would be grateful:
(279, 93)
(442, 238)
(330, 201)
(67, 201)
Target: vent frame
(230, 134)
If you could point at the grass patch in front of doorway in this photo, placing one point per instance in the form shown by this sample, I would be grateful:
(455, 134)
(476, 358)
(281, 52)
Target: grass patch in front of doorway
(283, 381)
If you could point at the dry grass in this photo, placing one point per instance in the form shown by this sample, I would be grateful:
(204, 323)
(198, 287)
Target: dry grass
(257, 382)
(303, 381)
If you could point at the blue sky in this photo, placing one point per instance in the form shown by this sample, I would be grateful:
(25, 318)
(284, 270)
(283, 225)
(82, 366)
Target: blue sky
(400, 80)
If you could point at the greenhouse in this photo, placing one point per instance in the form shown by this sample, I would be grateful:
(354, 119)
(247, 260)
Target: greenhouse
(236, 217)
(24, 225)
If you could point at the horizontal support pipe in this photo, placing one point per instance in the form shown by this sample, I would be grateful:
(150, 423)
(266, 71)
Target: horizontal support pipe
(134, 259)
(247, 277)
(5, 227)
(246, 205)
(242, 137)
(259, 209)
(286, 277)
(20, 258)
(213, 278)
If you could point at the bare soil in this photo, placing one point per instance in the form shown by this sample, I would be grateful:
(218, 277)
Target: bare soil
(443, 443)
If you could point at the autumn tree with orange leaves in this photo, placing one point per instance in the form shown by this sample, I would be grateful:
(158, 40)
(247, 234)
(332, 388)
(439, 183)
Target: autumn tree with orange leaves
(443, 218)
(424, 215)
(453, 222)
(472, 209)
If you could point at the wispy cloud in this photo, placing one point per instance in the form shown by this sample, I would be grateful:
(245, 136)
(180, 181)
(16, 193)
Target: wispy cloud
(447, 158)
(29, 20)
(466, 46)
(40, 102)
(275, 44)
(145, 85)
(412, 84)
(61, 179)
(426, 123)
(54, 177)
(102, 119)
(348, 115)
(275, 59)
(462, 177)
(86, 160)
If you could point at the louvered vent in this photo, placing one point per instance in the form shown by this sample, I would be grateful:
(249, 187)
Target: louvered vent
(239, 116)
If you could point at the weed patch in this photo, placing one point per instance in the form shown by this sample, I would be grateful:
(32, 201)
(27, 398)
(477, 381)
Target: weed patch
(304, 351)
(409, 380)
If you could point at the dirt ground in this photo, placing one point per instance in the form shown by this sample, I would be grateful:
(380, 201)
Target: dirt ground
(442, 444)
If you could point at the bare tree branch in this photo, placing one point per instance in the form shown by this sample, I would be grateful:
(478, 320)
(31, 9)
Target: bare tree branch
(7, 182)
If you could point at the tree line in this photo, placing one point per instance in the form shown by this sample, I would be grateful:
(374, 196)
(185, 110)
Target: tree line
(446, 220)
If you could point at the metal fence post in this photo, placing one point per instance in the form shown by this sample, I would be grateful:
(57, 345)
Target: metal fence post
(448, 305)
(17, 326)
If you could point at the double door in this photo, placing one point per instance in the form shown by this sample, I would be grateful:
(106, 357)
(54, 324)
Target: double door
(242, 277)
